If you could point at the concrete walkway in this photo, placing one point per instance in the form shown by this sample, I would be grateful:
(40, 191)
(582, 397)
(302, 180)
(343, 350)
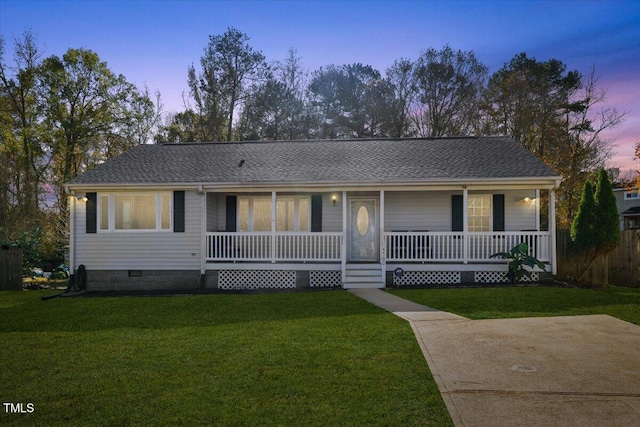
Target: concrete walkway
(560, 371)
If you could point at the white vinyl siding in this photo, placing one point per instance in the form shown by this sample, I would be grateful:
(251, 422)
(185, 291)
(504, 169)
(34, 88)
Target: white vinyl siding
(141, 250)
(520, 214)
(431, 211)
(417, 211)
(332, 215)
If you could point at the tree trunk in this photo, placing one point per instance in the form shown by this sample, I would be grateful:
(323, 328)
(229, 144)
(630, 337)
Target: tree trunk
(232, 106)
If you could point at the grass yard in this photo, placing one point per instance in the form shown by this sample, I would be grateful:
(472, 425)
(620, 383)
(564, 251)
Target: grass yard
(317, 358)
(497, 303)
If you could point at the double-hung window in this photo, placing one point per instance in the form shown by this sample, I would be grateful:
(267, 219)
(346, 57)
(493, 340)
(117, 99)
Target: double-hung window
(144, 211)
(293, 213)
(479, 212)
(485, 212)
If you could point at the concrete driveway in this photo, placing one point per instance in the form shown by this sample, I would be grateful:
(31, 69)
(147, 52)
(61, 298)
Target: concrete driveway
(551, 371)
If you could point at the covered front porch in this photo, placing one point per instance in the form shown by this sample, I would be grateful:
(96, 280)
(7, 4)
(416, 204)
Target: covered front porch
(371, 238)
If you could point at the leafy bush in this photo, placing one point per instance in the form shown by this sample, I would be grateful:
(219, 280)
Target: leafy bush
(519, 259)
(59, 275)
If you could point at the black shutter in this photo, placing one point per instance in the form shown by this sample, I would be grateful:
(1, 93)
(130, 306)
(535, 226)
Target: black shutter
(498, 212)
(92, 212)
(316, 213)
(178, 211)
(231, 213)
(457, 218)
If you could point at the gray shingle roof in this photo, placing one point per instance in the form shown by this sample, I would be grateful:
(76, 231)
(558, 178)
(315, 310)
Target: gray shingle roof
(352, 161)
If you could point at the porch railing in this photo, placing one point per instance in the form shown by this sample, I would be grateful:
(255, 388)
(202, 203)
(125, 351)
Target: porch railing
(400, 246)
(411, 246)
(281, 246)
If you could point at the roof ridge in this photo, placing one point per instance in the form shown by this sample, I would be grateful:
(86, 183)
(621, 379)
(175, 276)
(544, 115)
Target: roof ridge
(379, 139)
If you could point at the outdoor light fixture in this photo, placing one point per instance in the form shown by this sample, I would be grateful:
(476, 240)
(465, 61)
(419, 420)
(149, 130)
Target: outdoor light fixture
(81, 197)
(334, 199)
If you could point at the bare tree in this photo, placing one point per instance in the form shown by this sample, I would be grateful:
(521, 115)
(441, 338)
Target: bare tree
(229, 65)
(402, 79)
(450, 85)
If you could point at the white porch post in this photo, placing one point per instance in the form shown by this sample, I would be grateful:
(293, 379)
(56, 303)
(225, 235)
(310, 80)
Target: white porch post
(552, 230)
(537, 196)
(465, 225)
(72, 234)
(538, 249)
(383, 246)
(273, 227)
(344, 236)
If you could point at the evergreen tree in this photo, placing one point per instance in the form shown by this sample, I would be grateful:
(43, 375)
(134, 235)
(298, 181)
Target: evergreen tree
(607, 230)
(595, 229)
(582, 229)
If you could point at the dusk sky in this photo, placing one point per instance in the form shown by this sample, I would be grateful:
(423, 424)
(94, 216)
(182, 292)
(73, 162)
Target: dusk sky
(153, 42)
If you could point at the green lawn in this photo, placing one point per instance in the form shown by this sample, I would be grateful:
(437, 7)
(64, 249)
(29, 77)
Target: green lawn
(317, 358)
(496, 303)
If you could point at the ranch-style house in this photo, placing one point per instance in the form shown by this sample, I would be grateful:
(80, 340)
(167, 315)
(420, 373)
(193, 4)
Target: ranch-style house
(306, 214)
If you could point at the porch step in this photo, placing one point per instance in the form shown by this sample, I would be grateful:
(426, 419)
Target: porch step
(363, 276)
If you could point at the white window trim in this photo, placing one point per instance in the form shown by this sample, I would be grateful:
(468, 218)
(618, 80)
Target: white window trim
(296, 210)
(490, 196)
(112, 212)
(631, 194)
(250, 222)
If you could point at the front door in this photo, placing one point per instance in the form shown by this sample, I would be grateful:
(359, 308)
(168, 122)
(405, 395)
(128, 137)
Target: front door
(364, 242)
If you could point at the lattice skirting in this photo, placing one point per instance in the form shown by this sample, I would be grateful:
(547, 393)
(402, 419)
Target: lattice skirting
(325, 279)
(256, 279)
(427, 278)
(499, 277)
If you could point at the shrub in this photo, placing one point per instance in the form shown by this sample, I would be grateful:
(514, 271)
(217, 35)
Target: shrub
(519, 259)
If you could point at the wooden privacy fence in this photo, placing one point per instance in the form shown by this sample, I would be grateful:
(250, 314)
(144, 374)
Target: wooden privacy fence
(618, 267)
(10, 268)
